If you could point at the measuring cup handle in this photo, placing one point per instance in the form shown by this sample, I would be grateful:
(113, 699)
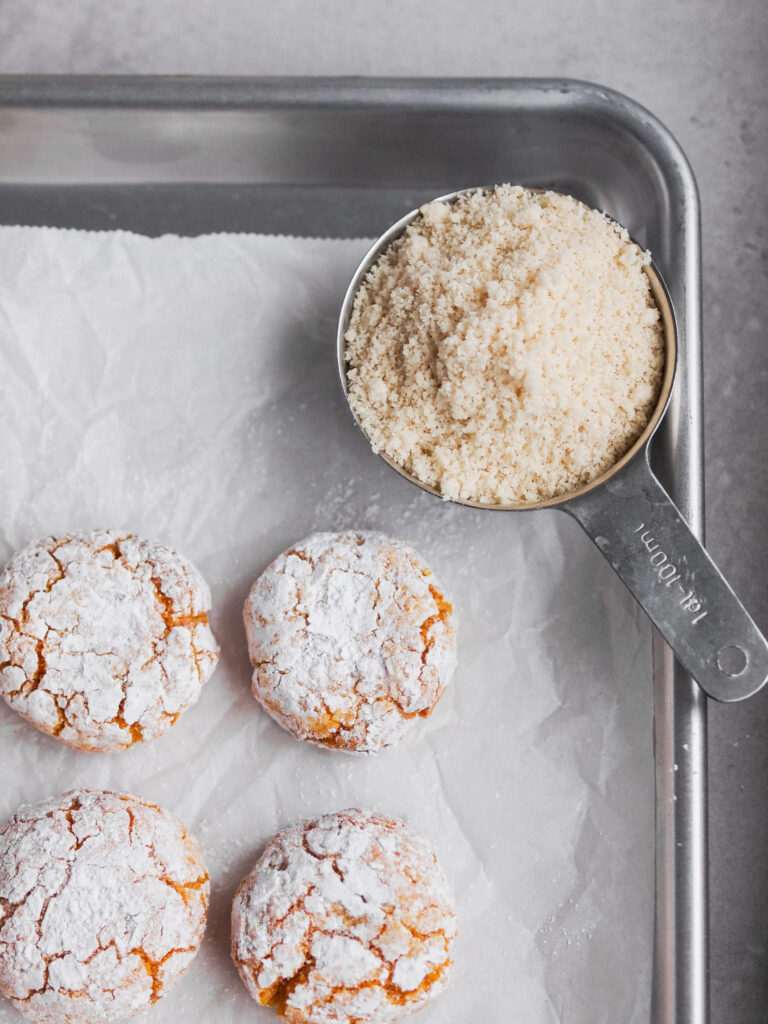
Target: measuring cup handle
(635, 524)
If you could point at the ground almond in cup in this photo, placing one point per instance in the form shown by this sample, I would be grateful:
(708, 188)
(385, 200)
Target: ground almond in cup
(507, 347)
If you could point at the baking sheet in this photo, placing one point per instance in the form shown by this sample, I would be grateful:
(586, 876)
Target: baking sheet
(185, 389)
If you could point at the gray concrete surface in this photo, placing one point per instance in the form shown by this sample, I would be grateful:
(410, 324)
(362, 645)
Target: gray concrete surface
(700, 66)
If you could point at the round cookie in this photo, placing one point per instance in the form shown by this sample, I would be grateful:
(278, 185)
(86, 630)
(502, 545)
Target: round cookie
(103, 901)
(350, 637)
(104, 638)
(344, 920)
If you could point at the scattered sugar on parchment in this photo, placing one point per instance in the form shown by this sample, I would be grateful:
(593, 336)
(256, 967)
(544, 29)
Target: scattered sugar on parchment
(507, 347)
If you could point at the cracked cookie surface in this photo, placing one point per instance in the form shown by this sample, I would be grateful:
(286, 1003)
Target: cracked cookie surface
(346, 919)
(351, 638)
(103, 902)
(104, 638)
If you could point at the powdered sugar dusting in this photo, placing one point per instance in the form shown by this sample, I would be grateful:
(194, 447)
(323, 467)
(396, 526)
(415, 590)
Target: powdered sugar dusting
(104, 638)
(350, 637)
(344, 918)
(103, 901)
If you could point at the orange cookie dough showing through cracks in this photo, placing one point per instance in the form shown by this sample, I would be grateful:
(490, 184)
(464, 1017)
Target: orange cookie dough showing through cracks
(104, 638)
(351, 639)
(346, 919)
(103, 904)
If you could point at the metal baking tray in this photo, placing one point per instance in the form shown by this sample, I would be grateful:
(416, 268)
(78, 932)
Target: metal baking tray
(339, 157)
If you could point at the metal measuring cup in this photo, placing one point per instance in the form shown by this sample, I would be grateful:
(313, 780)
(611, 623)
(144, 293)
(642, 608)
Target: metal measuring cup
(637, 527)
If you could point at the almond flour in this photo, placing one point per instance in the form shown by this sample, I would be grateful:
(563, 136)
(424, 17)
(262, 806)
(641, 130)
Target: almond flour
(507, 347)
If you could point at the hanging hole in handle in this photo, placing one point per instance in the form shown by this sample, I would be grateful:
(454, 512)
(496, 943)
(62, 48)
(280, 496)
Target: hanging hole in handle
(732, 660)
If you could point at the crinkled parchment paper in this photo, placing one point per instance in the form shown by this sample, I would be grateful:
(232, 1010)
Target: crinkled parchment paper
(186, 389)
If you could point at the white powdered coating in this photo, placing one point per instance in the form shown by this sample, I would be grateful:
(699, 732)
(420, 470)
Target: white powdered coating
(103, 902)
(347, 918)
(104, 638)
(350, 637)
(507, 347)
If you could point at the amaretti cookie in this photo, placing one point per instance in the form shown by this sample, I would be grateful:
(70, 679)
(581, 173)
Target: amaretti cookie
(346, 919)
(103, 902)
(351, 638)
(104, 638)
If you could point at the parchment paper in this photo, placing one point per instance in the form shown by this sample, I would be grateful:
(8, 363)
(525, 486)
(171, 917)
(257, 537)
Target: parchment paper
(186, 389)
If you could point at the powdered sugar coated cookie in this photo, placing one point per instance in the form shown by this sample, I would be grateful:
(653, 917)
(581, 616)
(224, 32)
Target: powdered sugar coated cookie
(350, 637)
(104, 638)
(103, 901)
(344, 919)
